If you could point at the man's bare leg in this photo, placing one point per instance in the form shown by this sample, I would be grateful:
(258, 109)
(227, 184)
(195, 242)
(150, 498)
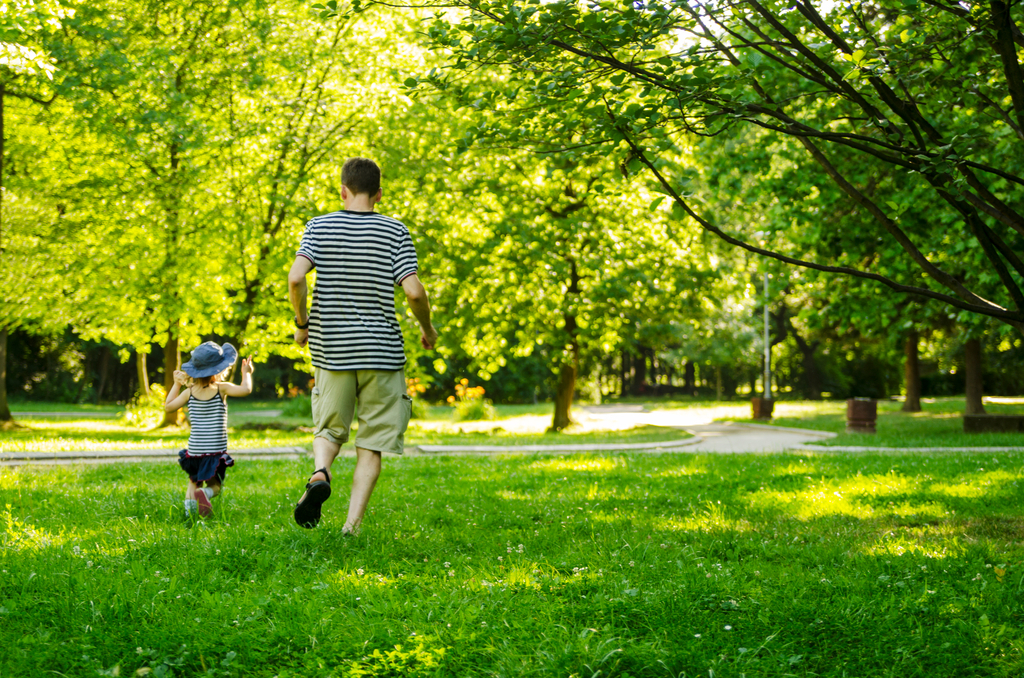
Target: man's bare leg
(324, 454)
(364, 479)
(318, 490)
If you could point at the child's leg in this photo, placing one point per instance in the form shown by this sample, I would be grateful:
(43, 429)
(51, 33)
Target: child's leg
(214, 485)
(191, 507)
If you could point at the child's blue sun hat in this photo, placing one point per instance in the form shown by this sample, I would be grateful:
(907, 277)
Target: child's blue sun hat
(209, 359)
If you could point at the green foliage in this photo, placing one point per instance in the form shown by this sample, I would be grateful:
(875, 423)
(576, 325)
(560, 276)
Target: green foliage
(470, 404)
(299, 405)
(475, 409)
(418, 660)
(856, 147)
(420, 409)
(145, 411)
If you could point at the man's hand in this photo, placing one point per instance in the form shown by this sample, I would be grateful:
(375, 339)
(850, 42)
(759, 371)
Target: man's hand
(180, 378)
(301, 337)
(247, 367)
(429, 338)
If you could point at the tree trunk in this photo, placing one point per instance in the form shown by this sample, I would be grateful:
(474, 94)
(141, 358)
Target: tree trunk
(104, 371)
(623, 373)
(563, 398)
(5, 411)
(718, 383)
(689, 374)
(639, 370)
(972, 373)
(567, 374)
(143, 374)
(172, 362)
(911, 375)
(812, 374)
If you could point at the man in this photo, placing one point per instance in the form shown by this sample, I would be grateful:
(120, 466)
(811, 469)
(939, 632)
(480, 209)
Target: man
(354, 337)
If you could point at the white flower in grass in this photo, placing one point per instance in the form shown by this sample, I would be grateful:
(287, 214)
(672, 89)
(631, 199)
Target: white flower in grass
(728, 628)
(447, 565)
(501, 558)
(360, 572)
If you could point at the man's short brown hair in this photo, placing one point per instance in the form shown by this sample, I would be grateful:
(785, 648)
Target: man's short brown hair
(361, 175)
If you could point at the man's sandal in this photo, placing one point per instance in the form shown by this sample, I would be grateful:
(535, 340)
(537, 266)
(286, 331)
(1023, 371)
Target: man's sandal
(307, 510)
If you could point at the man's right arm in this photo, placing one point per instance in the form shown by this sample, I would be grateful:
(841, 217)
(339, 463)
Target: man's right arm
(420, 305)
(298, 291)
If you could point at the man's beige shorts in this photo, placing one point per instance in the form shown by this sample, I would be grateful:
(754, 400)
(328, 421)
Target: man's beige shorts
(384, 408)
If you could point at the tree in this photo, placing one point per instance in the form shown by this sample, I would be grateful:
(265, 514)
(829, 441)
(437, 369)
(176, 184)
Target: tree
(25, 74)
(218, 132)
(864, 91)
(552, 257)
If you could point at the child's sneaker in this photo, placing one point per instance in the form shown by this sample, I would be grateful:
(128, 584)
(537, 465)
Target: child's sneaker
(203, 502)
(191, 508)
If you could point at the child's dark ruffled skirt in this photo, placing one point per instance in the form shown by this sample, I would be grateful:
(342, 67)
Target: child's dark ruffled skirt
(204, 467)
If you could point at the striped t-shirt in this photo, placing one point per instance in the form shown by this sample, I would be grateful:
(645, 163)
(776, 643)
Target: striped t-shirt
(359, 258)
(209, 422)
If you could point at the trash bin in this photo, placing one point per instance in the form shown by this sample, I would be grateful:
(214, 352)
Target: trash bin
(861, 414)
(762, 407)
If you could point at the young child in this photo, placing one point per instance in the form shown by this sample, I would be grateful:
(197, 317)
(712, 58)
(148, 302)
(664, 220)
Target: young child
(206, 457)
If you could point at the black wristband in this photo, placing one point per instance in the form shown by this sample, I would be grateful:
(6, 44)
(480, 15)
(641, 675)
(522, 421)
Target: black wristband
(301, 327)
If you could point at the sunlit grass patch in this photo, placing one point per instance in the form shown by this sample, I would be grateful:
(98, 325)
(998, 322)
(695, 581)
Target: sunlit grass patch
(898, 547)
(593, 464)
(695, 467)
(795, 469)
(710, 520)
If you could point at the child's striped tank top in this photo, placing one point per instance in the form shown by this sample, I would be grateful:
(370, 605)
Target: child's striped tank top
(209, 419)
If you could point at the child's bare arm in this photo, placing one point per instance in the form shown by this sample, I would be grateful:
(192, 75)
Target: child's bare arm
(174, 399)
(245, 388)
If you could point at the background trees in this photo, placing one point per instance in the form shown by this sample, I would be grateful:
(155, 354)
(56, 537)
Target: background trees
(565, 179)
(881, 101)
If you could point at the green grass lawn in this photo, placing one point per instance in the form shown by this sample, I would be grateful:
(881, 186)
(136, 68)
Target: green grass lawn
(638, 434)
(940, 424)
(84, 408)
(48, 434)
(589, 565)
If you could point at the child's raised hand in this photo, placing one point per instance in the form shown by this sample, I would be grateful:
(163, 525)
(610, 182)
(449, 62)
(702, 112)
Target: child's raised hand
(180, 378)
(247, 367)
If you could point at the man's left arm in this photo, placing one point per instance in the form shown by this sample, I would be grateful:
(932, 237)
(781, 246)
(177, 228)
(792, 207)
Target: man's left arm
(298, 292)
